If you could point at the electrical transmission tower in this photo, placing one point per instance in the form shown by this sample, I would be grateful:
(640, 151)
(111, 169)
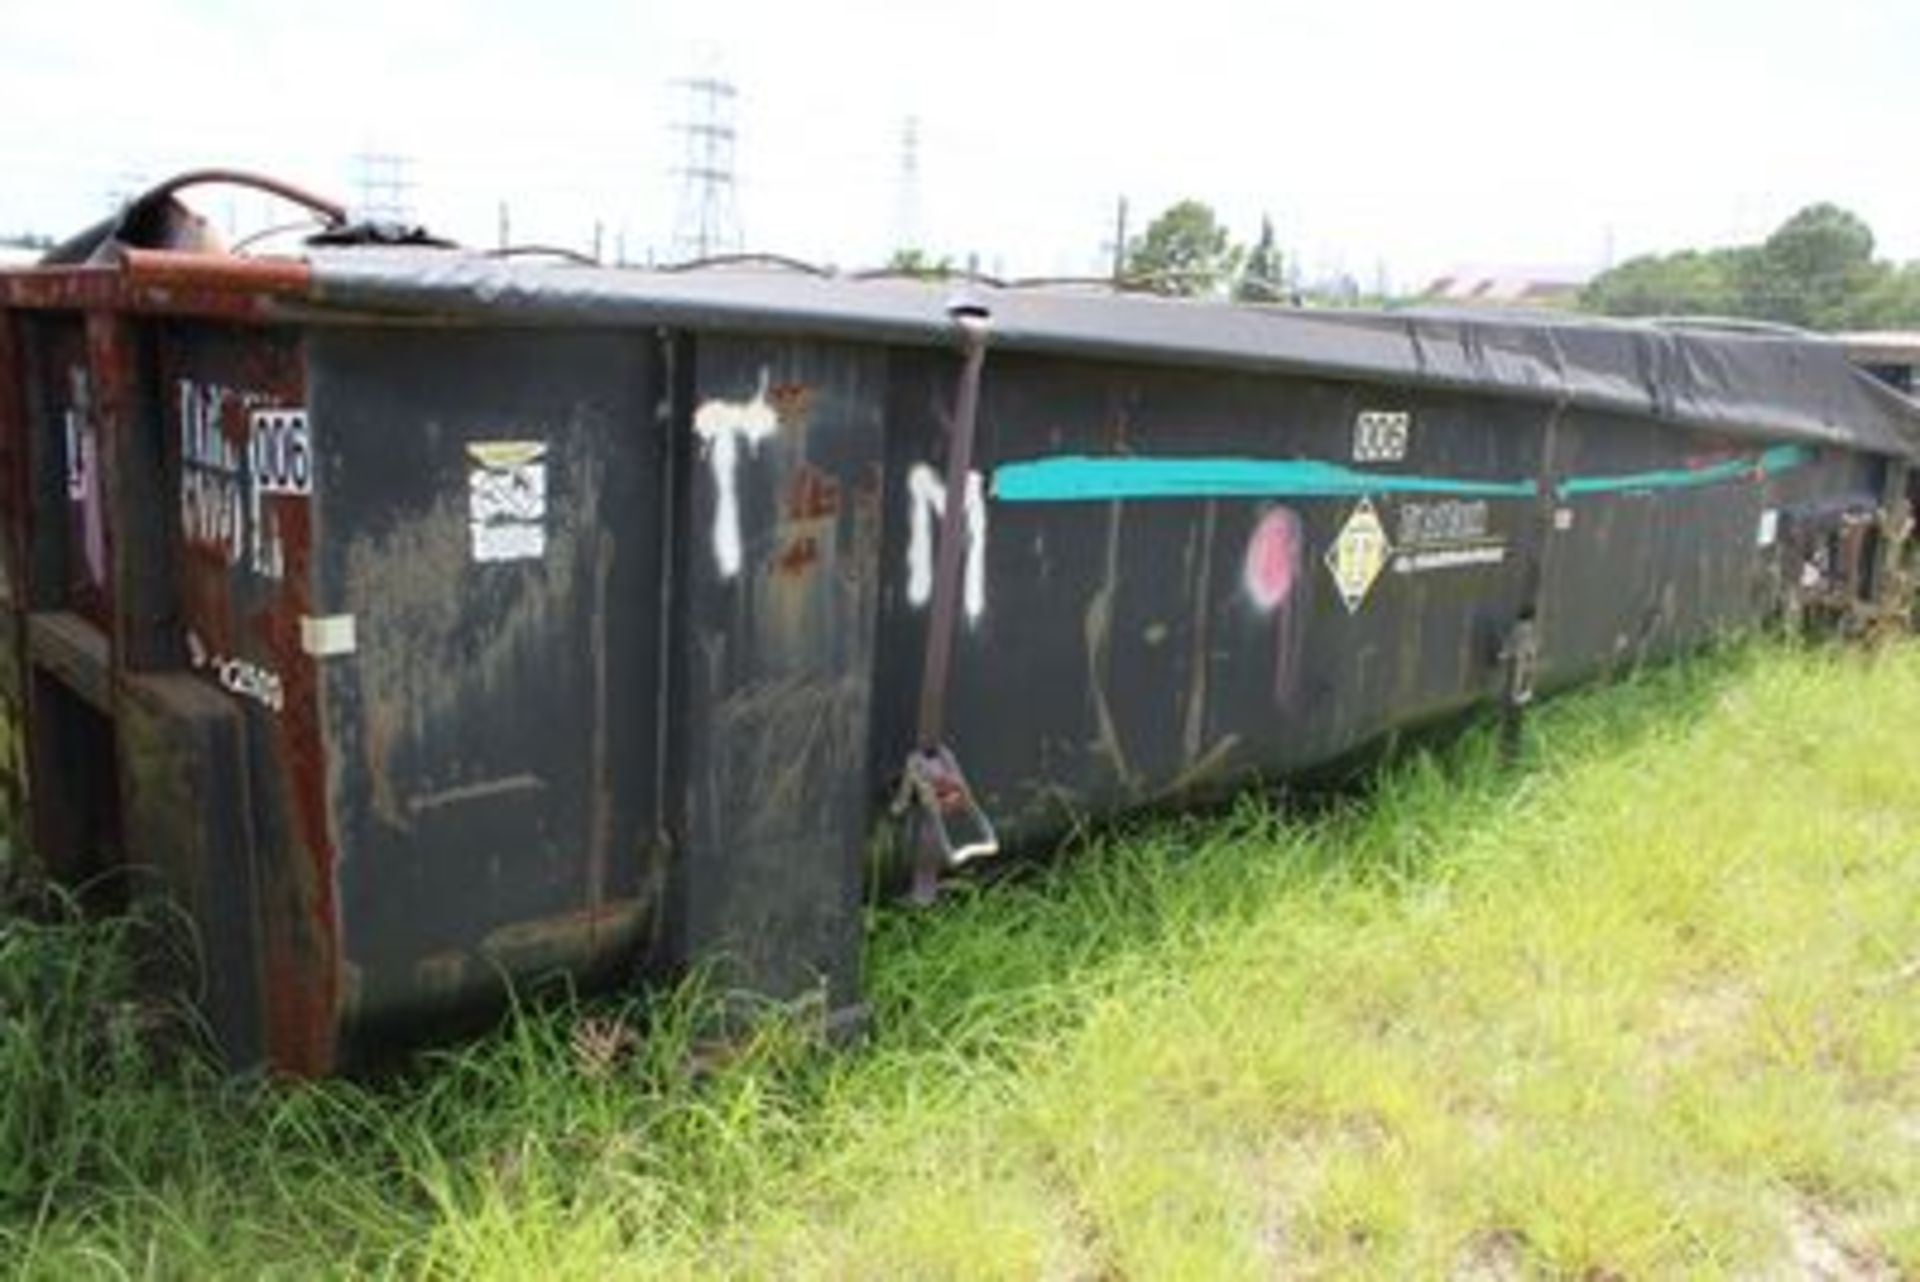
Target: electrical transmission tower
(386, 183)
(708, 222)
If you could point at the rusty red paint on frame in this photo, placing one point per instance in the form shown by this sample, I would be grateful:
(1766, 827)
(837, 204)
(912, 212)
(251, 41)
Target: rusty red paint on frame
(163, 281)
(812, 495)
(798, 556)
(792, 403)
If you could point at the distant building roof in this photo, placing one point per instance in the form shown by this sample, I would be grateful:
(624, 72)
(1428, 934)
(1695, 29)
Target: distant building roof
(1507, 285)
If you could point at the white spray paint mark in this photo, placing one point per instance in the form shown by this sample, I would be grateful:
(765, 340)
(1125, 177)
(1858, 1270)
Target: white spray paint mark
(927, 499)
(721, 426)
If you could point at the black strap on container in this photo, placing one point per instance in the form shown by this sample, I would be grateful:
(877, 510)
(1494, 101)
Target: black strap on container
(1519, 654)
(948, 827)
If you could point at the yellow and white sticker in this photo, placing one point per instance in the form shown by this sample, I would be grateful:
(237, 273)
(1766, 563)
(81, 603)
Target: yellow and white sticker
(507, 499)
(1359, 553)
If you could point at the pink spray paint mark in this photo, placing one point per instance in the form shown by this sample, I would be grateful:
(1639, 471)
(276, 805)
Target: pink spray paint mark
(1271, 574)
(1273, 559)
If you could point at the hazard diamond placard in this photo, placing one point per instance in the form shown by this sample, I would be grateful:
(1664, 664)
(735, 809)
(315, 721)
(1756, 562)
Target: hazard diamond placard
(1358, 555)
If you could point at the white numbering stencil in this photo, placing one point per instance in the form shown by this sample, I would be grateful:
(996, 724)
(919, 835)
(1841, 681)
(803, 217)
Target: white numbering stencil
(281, 452)
(1380, 436)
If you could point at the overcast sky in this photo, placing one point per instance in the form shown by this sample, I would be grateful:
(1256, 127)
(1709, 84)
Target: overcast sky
(1409, 136)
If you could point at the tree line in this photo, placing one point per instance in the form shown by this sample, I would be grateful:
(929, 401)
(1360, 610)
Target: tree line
(1817, 270)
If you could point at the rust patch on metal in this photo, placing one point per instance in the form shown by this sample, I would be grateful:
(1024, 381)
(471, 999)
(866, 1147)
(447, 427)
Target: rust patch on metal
(792, 403)
(797, 556)
(812, 494)
(166, 281)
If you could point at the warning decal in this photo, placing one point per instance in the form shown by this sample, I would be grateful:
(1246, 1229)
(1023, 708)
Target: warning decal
(507, 500)
(1358, 555)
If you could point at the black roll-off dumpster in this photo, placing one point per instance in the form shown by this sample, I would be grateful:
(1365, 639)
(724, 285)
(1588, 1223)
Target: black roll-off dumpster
(426, 621)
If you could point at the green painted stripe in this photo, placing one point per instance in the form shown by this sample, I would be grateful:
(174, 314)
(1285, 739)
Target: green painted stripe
(1770, 462)
(1078, 478)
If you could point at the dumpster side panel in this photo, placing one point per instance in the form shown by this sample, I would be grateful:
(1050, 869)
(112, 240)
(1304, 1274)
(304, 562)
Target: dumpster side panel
(780, 565)
(1194, 633)
(489, 605)
(1190, 580)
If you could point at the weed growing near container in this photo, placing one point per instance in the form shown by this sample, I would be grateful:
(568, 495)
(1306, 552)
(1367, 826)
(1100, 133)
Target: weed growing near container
(1648, 1003)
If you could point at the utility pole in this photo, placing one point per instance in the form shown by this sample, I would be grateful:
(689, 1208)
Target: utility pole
(1119, 245)
(708, 221)
(506, 226)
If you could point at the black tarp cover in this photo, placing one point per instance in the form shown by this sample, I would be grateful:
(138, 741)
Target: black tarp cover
(1739, 384)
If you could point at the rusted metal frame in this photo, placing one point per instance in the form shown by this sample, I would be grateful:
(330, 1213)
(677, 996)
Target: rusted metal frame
(41, 514)
(70, 648)
(14, 489)
(16, 794)
(140, 537)
(208, 285)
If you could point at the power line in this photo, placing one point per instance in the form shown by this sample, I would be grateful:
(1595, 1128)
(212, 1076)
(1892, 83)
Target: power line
(708, 222)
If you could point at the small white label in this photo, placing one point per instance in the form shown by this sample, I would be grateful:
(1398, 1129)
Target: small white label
(507, 500)
(328, 634)
(1563, 519)
(280, 451)
(1380, 436)
(505, 541)
(1769, 527)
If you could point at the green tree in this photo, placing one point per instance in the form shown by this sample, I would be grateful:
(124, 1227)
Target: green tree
(1689, 283)
(918, 262)
(1892, 302)
(1183, 251)
(1808, 271)
(1262, 280)
(1816, 270)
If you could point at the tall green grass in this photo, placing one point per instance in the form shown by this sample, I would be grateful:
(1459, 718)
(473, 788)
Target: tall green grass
(1647, 1003)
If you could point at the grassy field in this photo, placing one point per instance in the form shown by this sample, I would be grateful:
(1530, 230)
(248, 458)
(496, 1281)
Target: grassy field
(1646, 1005)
